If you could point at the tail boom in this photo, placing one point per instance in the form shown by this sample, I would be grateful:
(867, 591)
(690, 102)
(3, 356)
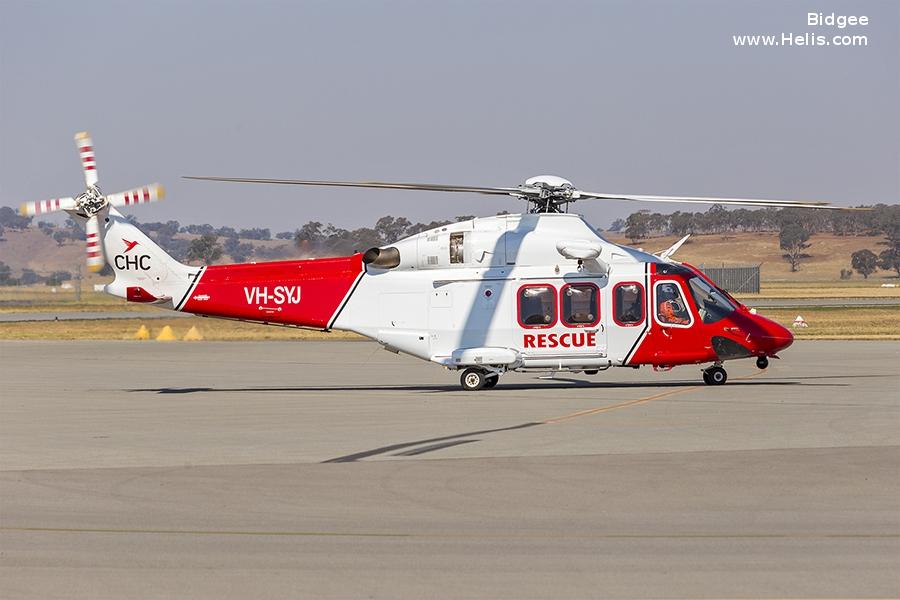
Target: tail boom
(306, 293)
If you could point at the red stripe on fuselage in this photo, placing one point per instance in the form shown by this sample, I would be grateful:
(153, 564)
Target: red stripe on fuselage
(297, 292)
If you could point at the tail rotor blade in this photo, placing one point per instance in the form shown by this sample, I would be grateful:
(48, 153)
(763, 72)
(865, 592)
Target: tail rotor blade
(95, 260)
(141, 195)
(86, 151)
(41, 207)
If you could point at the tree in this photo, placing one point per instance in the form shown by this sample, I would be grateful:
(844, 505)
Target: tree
(865, 262)
(199, 229)
(10, 219)
(6, 274)
(60, 237)
(617, 225)
(57, 277)
(239, 252)
(29, 277)
(390, 229)
(255, 233)
(205, 248)
(889, 260)
(309, 233)
(793, 237)
(637, 226)
(681, 223)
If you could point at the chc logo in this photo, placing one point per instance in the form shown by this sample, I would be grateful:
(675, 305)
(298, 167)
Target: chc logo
(132, 263)
(562, 340)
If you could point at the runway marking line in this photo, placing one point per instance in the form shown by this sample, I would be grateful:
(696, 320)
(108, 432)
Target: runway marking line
(601, 409)
(613, 536)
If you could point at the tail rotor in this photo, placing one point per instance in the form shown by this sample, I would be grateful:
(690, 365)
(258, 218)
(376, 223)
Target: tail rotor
(92, 202)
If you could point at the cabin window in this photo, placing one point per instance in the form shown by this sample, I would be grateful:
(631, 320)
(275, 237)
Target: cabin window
(456, 247)
(671, 309)
(537, 306)
(712, 304)
(580, 305)
(628, 304)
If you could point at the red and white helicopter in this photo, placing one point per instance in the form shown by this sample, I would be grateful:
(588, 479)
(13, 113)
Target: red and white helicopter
(541, 290)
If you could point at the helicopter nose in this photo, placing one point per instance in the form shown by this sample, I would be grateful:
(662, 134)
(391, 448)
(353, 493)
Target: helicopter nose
(773, 337)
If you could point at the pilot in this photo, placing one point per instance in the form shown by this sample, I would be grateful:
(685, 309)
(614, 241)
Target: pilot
(670, 309)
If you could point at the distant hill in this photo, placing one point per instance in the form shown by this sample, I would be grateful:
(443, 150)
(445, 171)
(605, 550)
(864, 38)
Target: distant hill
(32, 249)
(828, 253)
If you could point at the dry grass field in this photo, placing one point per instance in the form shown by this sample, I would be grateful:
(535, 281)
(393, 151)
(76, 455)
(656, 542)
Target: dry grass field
(818, 278)
(824, 323)
(828, 254)
(125, 329)
(826, 289)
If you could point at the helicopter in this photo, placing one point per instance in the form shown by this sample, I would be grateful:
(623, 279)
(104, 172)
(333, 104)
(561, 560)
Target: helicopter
(538, 291)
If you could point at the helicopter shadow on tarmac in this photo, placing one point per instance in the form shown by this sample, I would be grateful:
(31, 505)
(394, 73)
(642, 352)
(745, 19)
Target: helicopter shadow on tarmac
(548, 384)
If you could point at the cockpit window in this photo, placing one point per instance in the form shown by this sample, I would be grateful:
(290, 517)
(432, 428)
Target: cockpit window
(671, 308)
(712, 304)
(537, 306)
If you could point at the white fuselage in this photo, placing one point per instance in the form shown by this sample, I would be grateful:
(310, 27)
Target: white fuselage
(453, 299)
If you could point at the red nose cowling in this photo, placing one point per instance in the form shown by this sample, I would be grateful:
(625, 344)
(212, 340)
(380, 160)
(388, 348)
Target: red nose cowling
(771, 337)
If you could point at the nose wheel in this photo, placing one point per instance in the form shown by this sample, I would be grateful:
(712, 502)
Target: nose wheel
(715, 375)
(762, 362)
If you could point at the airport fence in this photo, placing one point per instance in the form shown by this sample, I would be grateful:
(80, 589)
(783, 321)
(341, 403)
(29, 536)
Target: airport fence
(743, 279)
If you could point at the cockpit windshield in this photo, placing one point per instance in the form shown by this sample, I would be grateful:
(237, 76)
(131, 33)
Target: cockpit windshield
(713, 304)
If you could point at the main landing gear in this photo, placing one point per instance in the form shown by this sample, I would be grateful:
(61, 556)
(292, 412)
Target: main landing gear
(715, 375)
(473, 379)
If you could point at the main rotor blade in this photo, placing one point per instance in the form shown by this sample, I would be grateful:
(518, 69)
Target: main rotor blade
(141, 195)
(40, 207)
(86, 151)
(712, 200)
(428, 187)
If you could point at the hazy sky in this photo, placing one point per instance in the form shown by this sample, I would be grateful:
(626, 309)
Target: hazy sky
(632, 96)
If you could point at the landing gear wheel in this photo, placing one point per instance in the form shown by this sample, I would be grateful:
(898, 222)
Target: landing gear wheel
(715, 376)
(762, 362)
(490, 381)
(592, 372)
(473, 379)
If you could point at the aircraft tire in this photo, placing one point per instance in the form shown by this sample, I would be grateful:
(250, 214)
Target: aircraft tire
(473, 379)
(715, 376)
(491, 381)
(762, 362)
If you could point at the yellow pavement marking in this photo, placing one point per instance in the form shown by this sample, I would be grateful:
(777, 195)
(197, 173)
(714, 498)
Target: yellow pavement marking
(601, 409)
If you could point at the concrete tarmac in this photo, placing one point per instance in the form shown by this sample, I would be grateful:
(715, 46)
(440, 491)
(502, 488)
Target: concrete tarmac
(338, 470)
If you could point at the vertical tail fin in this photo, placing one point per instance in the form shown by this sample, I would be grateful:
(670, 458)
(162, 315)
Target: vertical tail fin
(144, 271)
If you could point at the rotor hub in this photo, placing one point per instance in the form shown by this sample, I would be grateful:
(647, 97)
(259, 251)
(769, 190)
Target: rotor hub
(91, 201)
(549, 193)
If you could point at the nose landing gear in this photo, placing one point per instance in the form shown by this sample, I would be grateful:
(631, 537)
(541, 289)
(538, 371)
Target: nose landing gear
(715, 375)
(762, 362)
